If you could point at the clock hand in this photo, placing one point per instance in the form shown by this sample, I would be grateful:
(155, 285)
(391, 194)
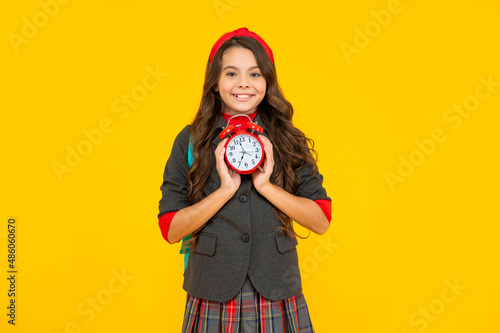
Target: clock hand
(244, 151)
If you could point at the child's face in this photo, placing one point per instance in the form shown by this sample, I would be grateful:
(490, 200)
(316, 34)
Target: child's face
(241, 84)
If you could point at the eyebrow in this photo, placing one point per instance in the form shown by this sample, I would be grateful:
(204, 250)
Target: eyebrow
(234, 67)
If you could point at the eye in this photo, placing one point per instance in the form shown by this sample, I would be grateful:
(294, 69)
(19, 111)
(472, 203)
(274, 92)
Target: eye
(255, 74)
(230, 74)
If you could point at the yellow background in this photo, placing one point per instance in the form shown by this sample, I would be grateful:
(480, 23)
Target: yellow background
(390, 252)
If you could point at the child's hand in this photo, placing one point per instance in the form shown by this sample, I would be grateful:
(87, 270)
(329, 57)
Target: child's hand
(228, 183)
(261, 179)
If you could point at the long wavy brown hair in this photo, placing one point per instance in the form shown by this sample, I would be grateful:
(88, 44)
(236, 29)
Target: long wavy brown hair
(291, 148)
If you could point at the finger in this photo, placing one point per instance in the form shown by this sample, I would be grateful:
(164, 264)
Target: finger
(219, 156)
(221, 144)
(268, 164)
(219, 151)
(264, 138)
(267, 144)
(268, 148)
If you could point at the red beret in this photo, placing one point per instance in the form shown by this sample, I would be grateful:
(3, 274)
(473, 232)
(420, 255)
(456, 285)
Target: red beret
(240, 32)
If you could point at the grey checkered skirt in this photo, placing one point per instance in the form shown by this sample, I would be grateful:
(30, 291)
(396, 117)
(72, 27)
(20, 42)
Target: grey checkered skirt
(247, 312)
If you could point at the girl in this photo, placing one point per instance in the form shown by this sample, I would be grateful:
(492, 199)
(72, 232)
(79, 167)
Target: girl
(242, 274)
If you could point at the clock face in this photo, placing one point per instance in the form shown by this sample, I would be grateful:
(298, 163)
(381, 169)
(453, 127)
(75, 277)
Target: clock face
(244, 153)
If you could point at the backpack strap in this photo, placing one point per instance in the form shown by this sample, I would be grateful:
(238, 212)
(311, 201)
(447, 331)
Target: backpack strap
(184, 248)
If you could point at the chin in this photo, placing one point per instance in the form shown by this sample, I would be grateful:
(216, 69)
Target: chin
(240, 111)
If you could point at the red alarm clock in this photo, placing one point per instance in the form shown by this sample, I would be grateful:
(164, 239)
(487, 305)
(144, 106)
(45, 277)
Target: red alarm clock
(244, 151)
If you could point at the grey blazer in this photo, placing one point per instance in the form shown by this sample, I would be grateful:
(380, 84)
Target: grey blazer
(241, 238)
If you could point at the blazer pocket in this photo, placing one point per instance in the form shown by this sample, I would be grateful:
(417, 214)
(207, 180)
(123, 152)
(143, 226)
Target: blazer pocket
(205, 244)
(285, 243)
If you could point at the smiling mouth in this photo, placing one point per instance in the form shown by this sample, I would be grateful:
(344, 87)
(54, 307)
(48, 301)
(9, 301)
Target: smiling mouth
(242, 97)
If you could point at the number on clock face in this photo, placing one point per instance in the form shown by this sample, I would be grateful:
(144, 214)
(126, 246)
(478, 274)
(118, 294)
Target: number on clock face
(245, 150)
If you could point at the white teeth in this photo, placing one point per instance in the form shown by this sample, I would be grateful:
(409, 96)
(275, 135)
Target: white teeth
(242, 96)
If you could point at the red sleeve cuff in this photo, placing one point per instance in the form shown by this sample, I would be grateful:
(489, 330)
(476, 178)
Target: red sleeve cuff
(164, 223)
(326, 207)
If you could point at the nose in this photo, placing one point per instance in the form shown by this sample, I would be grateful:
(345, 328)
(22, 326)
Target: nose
(243, 83)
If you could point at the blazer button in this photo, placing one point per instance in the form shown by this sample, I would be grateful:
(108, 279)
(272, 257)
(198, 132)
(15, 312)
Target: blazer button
(243, 198)
(245, 238)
